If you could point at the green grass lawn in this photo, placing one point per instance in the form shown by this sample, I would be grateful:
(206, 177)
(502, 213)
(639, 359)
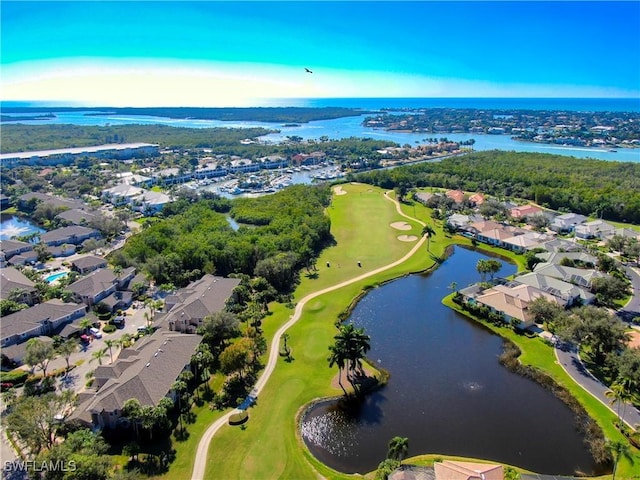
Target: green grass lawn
(269, 445)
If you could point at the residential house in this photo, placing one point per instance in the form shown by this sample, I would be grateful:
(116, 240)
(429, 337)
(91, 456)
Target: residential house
(594, 229)
(145, 372)
(561, 245)
(64, 250)
(122, 194)
(14, 282)
(41, 319)
(578, 276)
(13, 248)
(74, 235)
(450, 470)
(424, 197)
(567, 293)
(582, 258)
(150, 202)
(100, 284)
(525, 240)
(524, 211)
(455, 195)
(88, 263)
(627, 233)
(35, 198)
(189, 306)
(77, 216)
(567, 222)
(477, 199)
(513, 302)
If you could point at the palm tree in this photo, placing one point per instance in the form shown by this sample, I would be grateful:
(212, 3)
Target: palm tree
(85, 324)
(398, 448)
(483, 268)
(621, 395)
(98, 355)
(338, 357)
(110, 343)
(429, 232)
(350, 347)
(618, 450)
(133, 411)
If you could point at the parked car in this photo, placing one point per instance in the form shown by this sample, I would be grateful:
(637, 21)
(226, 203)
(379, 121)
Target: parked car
(95, 332)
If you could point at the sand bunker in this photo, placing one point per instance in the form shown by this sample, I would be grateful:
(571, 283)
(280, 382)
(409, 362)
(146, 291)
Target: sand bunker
(339, 191)
(407, 238)
(401, 226)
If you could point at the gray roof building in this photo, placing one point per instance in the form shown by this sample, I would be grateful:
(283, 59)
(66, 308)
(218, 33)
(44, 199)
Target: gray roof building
(145, 372)
(12, 279)
(88, 263)
(75, 235)
(41, 319)
(190, 305)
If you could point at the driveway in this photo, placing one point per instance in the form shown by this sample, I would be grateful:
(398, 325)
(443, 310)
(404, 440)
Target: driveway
(632, 309)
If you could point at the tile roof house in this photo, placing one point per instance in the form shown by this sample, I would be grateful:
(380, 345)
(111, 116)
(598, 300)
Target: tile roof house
(187, 308)
(561, 245)
(145, 372)
(594, 229)
(477, 199)
(513, 302)
(455, 195)
(74, 235)
(12, 280)
(524, 211)
(557, 257)
(41, 319)
(450, 470)
(526, 241)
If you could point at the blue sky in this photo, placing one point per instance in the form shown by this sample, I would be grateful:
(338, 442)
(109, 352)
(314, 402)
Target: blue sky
(236, 53)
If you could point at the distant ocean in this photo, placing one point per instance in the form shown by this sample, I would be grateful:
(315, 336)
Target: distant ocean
(567, 104)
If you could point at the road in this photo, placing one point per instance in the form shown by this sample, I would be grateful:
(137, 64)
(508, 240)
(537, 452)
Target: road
(200, 461)
(569, 359)
(632, 308)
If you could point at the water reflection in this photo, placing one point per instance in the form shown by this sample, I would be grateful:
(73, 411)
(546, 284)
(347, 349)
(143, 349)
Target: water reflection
(447, 392)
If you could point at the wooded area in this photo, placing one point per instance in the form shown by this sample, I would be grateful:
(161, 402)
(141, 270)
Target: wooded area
(279, 234)
(610, 190)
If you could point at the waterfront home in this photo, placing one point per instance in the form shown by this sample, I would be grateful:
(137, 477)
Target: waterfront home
(145, 372)
(187, 308)
(75, 235)
(14, 284)
(11, 248)
(30, 200)
(594, 229)
(567, 222)
(513, 302)
(524, 241)
(450, 470)
(567, 293)
(41, 319)
(77, 216)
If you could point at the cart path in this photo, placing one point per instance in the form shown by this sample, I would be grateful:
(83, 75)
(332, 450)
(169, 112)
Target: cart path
(200, 461)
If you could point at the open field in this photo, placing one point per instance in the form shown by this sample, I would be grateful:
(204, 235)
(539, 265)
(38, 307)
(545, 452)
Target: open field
(269, 446)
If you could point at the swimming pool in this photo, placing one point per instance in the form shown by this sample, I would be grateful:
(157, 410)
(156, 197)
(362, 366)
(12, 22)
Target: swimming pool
(56, 276)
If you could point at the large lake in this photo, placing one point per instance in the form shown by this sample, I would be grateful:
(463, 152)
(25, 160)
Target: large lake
(447, 392)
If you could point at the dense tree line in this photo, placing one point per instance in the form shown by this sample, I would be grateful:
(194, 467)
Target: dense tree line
(279, 234)
(610, 190)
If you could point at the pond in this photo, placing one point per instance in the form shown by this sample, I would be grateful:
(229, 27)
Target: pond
(447, 394)
(12, 226)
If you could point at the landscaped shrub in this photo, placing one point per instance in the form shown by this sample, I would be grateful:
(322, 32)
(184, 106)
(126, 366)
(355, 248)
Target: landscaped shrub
(109, 328)
(15, 377)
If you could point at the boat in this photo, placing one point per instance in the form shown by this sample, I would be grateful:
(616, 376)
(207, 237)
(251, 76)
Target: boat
(612, 150)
